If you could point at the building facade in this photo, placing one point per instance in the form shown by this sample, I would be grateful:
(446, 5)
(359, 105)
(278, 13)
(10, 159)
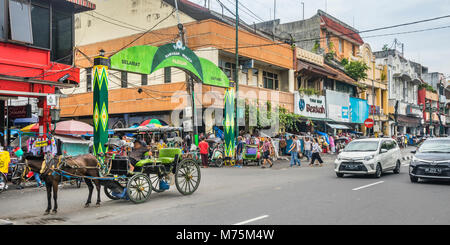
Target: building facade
(403, 83)
(36, 53)
(267, 73)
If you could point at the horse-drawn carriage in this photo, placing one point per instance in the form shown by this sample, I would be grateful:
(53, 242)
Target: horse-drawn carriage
(122, 181)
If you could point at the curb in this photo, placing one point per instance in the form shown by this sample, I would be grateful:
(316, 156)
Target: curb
(5, 222)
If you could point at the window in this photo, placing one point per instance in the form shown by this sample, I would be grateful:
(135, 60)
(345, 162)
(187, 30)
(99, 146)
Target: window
(167, 75)
(20, 21)
(299, 82)
(254, 81)
(2, 20)
(62, 36)
(89, 79)
(228, 68)
(124, 79)
(341, 46)
(270, 80)
(353, 50)
(243, 79)
(329, 84)
(40, 19)
(144, 79)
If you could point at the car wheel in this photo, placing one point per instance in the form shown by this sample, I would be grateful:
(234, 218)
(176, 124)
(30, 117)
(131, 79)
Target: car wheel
(378, 171)
(414, 179)
(397, 167)
(340, 175)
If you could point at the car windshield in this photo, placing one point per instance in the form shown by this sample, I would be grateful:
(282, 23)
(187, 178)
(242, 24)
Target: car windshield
(435, 146)
(361, 146)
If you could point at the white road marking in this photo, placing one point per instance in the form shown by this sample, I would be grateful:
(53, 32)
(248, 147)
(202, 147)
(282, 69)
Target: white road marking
(365, 186)
(251, 220)
(405, 164)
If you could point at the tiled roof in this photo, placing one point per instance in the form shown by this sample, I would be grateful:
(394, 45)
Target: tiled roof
(335, 26)
(340, 76)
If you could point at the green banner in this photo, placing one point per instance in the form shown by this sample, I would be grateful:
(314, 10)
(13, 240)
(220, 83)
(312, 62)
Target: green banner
(229, 123)
(148, 59)
(100, 113)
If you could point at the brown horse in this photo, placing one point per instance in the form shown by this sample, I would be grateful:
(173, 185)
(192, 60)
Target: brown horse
(80, 166)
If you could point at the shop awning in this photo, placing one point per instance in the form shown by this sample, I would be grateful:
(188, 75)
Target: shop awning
(82, 5)
(337, 126)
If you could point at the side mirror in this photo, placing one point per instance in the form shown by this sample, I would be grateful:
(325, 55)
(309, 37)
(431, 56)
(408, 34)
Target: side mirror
(383, 151)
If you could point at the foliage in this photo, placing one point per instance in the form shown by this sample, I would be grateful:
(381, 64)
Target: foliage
(344, 62)
(288, 120)
(331, 53)
(427, 87)
(316, 47)
(385, 47)
(383, 76)
(356, 70)
(308, 91)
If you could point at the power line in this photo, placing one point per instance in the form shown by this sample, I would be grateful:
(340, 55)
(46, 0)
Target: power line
(317, 39)
(149, 30)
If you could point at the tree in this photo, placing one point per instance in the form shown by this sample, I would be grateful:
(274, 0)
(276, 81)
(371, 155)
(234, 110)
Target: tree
(356, 70)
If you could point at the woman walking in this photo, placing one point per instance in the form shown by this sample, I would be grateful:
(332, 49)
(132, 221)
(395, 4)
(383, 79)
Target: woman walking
(267, 146)
(316, 154)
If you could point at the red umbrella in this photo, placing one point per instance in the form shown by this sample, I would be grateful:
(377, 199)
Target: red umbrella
(73, 127)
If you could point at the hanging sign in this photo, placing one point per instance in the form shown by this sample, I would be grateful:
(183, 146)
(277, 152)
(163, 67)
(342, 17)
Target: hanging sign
(146, 59)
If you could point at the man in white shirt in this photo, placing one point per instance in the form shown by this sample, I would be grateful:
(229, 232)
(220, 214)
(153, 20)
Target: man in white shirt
(308, 148)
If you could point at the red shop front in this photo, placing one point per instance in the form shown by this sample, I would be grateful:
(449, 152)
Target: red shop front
(36, 52)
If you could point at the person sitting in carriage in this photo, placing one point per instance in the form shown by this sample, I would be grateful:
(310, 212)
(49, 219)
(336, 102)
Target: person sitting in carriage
(137, 154)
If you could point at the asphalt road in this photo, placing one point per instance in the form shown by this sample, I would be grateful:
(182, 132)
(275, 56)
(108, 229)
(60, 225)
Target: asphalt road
(250, 195)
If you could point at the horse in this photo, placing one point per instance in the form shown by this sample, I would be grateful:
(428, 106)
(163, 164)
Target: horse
(80, 166)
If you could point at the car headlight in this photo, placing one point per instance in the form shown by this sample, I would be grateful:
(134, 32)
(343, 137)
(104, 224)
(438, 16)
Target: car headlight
(368, 158)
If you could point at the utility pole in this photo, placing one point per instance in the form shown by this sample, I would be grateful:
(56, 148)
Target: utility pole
(189, 81)
(303, 5)
(236, 74)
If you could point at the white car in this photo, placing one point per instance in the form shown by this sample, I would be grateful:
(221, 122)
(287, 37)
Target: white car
(369, 157)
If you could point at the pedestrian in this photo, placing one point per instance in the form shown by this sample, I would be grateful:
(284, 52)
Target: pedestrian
(204, 149)
(188, 141)
(308, 148)
(267, 148)
(316, 153)
(332, 145)
(299, 149)
(293, 152)
(240, 150)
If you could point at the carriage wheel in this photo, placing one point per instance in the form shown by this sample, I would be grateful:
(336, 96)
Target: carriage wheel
(155, 179)
(2, 182)
(108, 193)
(219, 160)
(139, 188)
(187, 177)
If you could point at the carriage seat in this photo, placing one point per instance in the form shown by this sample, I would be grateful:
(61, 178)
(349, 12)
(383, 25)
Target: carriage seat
(169, 155)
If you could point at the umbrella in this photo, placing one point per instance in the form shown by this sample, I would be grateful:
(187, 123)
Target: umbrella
(150, 121)
(31, 128)
(73, 127)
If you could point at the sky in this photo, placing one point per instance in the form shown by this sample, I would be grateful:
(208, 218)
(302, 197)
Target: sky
(429, 48)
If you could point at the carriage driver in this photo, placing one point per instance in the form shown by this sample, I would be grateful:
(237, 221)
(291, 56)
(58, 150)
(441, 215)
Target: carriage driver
(137, 153)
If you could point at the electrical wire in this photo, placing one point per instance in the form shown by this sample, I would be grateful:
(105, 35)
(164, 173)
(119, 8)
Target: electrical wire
(149, 30)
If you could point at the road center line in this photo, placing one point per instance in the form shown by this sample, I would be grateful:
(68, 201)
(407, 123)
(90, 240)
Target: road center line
(251, 220)
(365, 186)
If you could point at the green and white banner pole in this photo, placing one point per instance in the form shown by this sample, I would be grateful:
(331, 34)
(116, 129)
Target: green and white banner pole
(100, 103)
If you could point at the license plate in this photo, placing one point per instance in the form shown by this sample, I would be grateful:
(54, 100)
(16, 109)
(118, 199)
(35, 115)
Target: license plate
(351, 167)
(432, 170)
